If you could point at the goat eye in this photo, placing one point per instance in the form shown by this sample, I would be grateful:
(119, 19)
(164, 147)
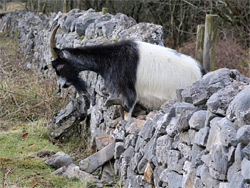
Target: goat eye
(59, 67)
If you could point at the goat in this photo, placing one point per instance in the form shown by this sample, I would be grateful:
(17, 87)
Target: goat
(133, 71)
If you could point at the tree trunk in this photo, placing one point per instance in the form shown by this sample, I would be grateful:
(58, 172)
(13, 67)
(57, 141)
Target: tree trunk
(199, 44)
(65, 6)
(5, 5)
(38, 5)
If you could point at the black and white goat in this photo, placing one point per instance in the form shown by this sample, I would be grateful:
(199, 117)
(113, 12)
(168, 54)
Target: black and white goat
(133, 71)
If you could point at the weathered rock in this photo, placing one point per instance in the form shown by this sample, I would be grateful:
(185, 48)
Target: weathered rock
(238, 109)
(144, 31)
(134, 127)
(185, 137)
(119, 132)
(224, 185)
(136, 181)
(209, 117)
(150, 150)
(91, 163)
(233, 169)
(217, 161)
(196, 155)
(130, 140)
(67, 118)
(245, 169)
(140, 143)
(238, 153)
(199, 92)
(196, 94)
(188, 175)
(147, 130)
(73, 171)
(128, 154)
(173, 179)
(58, 160)
(237, 181)
(222, 132)
(117, 165)
(142, 165)
(45, 153)
(198, 183)
(180, 117)
(219, 101)
(103, 141)
(149, 174)
(108, 173)
(201, 136)
(197, 120)
(119, 148)
(206, 178)
(243, 134)
(185, 150)
(175, 161)
(246, 151)
(157, 172)
(135, 160)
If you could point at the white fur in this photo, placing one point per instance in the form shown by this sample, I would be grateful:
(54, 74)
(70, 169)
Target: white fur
(160, 72)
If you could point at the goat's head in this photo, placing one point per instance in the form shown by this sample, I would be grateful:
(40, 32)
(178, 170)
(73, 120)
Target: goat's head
(66, 71)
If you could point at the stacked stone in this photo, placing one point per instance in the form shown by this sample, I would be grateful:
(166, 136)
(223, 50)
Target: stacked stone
(201, 140)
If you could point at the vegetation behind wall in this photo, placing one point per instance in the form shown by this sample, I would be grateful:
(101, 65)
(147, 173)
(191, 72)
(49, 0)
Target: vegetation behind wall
(179, 19)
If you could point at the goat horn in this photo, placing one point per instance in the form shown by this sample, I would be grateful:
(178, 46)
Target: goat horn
(53, 43)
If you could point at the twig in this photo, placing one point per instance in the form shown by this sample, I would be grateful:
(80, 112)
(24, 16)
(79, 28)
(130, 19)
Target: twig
(3, 171)
(15, 101)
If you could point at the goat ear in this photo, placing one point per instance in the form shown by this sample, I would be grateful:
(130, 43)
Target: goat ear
(59, 53)
(62, 53)
(59, 67)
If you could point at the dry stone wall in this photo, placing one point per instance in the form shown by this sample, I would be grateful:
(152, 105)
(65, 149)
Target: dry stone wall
(202, 139)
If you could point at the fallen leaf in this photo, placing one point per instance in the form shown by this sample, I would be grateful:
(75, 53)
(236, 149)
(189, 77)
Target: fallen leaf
(25, 135)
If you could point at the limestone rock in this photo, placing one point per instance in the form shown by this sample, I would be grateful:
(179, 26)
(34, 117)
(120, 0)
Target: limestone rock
(239, 107)
(58, 160)
(149, 173)
(222, 132)
(246, 151)
(243, 134)
(96, 160)
(197, 120)
(237, 181)
(245, 169)
(219, 101)
(119, 148)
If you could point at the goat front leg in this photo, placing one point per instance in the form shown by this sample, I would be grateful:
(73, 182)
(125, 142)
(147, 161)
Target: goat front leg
(129, 101)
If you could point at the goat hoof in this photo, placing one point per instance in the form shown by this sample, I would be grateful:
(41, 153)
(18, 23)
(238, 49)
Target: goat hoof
(112, 101)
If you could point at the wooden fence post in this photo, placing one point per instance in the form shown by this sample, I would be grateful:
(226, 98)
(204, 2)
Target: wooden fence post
(65, 4)
(210, 39)
(104, 10)
(199, 44)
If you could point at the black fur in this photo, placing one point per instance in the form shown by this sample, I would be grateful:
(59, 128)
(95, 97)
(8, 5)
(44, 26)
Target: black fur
(116, 63)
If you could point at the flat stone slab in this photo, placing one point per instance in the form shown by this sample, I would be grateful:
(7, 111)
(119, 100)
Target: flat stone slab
(91, 163)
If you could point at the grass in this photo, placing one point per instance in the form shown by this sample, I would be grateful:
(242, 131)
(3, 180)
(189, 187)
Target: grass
(19, 168)
(28, 103)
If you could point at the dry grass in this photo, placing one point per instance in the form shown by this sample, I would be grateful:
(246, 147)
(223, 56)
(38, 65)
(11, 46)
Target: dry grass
(12, 6)
(24, 95)
(28, 103)
(229, 54)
